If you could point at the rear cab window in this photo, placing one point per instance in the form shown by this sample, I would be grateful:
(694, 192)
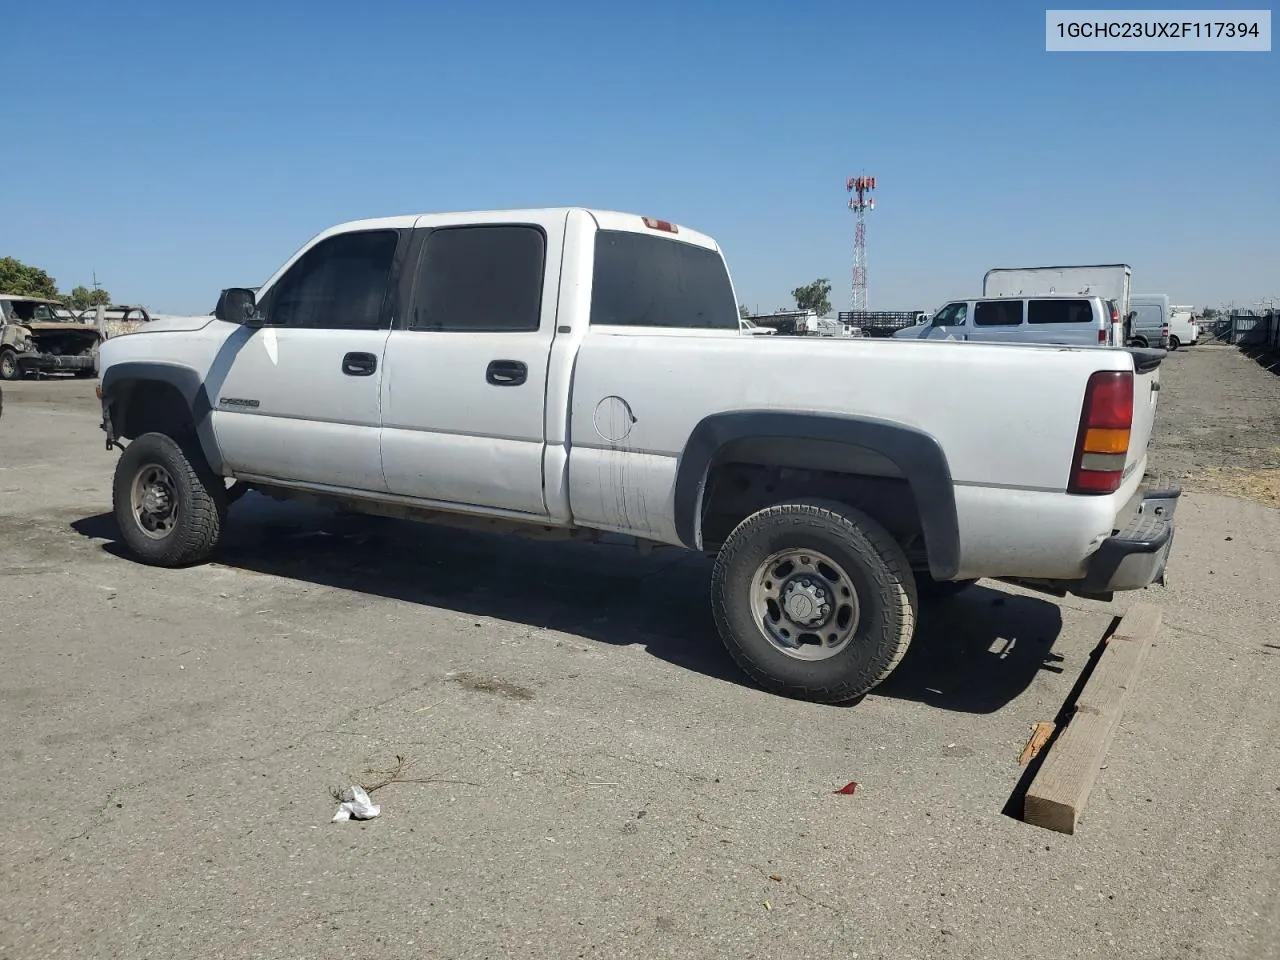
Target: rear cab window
(651, 281)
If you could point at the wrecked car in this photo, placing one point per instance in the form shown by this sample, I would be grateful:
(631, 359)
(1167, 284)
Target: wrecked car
(120, 318)
(38, 334)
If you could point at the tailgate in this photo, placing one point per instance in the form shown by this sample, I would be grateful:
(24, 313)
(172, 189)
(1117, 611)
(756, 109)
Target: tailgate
(1146, 391)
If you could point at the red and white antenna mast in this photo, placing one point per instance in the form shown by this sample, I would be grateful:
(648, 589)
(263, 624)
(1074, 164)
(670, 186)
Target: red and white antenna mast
(860, 202)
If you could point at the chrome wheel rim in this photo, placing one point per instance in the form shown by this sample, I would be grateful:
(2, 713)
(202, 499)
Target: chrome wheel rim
(154, 499)
(805, 604)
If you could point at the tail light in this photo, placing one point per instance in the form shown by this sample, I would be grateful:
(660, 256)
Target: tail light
(1115, 320)
(1103, 439)
(666, 226)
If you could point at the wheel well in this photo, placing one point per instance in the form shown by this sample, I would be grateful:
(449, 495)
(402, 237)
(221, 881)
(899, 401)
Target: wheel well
(751, 475)
(150, 406)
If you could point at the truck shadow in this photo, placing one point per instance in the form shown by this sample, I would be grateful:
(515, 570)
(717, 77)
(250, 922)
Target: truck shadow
(973, 653)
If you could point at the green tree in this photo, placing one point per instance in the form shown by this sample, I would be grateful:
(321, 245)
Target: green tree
(82, 298)
(18, 278)
(1209, 313)
(814, 296)
(743, 311)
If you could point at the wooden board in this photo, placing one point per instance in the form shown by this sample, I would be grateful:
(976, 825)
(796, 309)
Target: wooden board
(1061, 788)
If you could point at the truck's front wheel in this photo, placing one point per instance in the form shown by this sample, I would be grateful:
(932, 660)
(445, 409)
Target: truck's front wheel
(167, 502)
(815, 600)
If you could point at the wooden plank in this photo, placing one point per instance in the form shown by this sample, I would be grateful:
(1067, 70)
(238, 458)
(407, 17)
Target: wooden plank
(1061, 788)
(1142, 620)
(1118, 669)
(1040, 734)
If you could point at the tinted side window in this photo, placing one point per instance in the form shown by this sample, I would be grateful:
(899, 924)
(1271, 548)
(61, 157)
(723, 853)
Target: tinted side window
(481, 279)
(998, 313)
(340, 283)
(644, 281)
(1059, 311)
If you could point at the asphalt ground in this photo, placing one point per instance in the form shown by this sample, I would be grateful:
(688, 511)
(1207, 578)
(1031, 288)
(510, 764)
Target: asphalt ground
(589, 774)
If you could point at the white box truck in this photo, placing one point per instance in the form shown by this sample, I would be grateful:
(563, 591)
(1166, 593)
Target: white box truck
(1111, 281)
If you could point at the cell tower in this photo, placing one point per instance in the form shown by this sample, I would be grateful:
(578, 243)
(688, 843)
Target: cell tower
(860, 202)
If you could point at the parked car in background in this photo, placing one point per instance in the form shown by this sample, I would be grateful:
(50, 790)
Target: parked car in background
(38, 334)
(1110, 281)
(1183, 329)
(1150, 324)
(1084, 321)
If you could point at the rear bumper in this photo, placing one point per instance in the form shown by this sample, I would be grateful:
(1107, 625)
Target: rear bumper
(1132, 558)
(1137, 555)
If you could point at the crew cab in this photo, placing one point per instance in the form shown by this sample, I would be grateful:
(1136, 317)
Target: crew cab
(570, 372)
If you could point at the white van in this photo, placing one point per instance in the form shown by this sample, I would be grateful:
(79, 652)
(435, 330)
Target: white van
(1054, 318)
(1183, 329)
(1150, 324)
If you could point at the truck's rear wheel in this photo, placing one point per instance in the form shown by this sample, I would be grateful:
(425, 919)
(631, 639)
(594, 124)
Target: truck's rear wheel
(1174, 343)
(10, 369)
(167, 502)
(814, 600)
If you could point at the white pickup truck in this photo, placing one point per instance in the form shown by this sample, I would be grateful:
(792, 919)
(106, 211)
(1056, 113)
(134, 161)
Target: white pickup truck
(570, 371)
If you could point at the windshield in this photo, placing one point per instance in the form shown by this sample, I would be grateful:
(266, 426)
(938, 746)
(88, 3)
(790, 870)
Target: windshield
(32, 311)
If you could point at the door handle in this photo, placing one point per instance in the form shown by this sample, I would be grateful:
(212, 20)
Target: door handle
(359, 364)
(506, 373)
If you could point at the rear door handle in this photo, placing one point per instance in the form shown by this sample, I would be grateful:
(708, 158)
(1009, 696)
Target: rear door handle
(506, 373)
(359, 364)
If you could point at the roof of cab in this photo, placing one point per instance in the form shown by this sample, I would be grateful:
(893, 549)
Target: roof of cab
(22, 297)
(605, 220)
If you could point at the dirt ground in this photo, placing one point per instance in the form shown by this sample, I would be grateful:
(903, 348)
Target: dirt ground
(1218, 422)
(591, 776)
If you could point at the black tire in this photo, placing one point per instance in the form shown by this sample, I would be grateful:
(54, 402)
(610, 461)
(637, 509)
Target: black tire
(1139, 342)
(200, 497)
(931, 589)
(1174, 343)
(10, 369)
(873, 561)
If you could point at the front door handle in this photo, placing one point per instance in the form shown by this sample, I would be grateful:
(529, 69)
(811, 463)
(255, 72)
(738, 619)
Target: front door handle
(359, 364)
(506, 373)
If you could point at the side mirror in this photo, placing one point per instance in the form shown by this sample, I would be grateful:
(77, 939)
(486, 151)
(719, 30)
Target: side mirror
(238, 305)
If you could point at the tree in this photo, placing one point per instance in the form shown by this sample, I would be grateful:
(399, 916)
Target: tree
(1209, 313)
(814, 296)
(743, 311)
(16, 277)
(81, 298)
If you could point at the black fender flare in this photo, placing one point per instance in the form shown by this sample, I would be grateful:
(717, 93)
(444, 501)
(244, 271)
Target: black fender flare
(917, 454)
(184, 379)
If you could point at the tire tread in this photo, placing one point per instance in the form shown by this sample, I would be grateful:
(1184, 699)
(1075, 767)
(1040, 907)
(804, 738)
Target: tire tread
(204, 501)
(829, 517)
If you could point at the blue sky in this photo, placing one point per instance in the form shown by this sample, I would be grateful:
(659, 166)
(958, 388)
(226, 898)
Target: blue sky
(176, 150)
